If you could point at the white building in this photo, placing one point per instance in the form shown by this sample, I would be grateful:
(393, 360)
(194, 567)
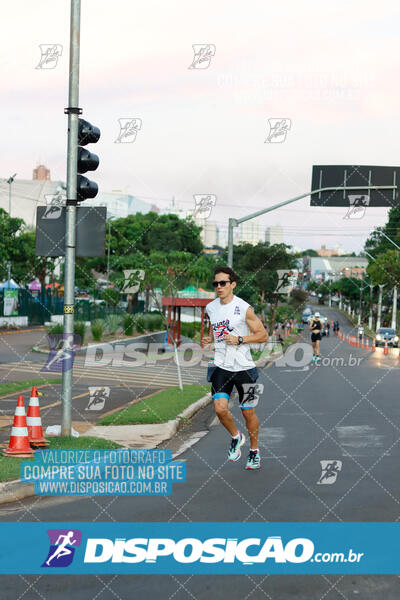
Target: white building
(208, 233)
(251, 232)
(274, 235)
(26, 196)
(120, 205)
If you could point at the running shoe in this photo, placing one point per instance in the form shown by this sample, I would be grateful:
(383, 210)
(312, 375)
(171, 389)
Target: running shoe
(253, 460)
(234, 450)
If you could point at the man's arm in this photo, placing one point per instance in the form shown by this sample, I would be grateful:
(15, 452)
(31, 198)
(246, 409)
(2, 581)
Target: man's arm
(255, 326)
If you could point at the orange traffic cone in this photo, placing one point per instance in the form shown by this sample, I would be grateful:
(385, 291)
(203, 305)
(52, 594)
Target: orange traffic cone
(34, 422)
(373, 345)
(367, 343)
(362, 342)
(19, 439)
(385, 350)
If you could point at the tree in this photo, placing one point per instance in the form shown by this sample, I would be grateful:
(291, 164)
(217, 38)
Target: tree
(385, 269)
(312, 286)
(309, 252)
(17, 245)
(377, 243)
(298, 297)
(256, 266)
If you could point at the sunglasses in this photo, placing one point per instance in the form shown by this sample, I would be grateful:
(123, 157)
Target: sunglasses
(221, 283)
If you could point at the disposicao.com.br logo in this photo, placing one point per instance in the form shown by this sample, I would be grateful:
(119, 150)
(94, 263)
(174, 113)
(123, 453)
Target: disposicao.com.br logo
(62, 547)
(247, 551)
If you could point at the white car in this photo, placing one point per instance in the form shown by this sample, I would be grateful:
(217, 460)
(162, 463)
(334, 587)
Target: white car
(321, 318)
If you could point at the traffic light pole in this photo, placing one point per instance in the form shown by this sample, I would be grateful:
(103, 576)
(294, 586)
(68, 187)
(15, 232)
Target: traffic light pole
(69, 274)
(235, 222)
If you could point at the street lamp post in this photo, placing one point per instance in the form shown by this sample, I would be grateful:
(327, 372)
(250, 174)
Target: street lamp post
(10, 181)
(394, 311)
(378, 319)
(108, 248)
(371, 287)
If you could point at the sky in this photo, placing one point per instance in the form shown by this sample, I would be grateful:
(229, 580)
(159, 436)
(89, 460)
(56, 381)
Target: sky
(329, 68)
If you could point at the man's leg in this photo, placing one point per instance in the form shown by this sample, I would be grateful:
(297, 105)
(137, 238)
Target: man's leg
(222, 385)
(224, 414)
(253, 426)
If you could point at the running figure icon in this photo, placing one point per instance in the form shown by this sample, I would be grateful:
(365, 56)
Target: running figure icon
(62, 549)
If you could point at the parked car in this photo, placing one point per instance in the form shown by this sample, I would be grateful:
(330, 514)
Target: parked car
(307, 313)
(389, 334)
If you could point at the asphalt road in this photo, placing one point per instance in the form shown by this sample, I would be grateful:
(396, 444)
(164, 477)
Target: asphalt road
(345, 409)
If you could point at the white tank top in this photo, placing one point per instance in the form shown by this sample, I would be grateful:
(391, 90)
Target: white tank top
(230, 318)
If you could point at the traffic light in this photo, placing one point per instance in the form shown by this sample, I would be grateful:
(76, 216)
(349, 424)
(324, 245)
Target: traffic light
(87, 134)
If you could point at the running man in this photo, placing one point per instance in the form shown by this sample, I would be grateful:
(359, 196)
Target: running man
(231, 318)
(316, 328)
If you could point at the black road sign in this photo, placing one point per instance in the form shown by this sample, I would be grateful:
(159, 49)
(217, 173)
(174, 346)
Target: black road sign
(363, 180)
(90, 230)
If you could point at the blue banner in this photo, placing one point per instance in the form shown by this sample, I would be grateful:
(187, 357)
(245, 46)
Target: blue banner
(195, 548)
(123, 472)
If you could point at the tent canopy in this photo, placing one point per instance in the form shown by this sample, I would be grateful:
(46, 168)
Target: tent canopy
(9, 284)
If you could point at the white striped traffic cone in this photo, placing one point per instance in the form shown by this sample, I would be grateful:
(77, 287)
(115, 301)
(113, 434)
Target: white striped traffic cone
(19, 438)
(34, 422)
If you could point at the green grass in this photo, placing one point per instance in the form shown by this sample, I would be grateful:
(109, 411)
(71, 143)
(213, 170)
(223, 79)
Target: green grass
(16, 386)
(9, 466)
(160, 408)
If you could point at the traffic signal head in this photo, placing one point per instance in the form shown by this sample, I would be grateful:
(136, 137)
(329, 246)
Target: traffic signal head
(87, 134)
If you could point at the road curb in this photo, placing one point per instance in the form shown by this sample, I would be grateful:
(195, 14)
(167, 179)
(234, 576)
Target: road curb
(10, 491)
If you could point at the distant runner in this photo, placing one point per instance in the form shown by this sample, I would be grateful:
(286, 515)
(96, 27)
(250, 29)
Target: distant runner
(316, 328)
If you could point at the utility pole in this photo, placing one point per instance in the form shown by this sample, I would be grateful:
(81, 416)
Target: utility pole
(394, 311)
(70, 237)
(378, 319)
(371, 287)
(108, 250)
(10, 181)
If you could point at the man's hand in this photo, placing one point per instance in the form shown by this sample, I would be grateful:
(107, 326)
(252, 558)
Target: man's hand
(231, 340)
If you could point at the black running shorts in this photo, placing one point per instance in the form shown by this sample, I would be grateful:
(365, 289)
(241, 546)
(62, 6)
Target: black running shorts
(315, 337)
(222, 383)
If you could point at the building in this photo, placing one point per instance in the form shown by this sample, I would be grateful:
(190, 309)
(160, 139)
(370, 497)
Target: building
(208, 232)
(120, 205)
(251, 231)
(28, 194)
(174, 209)
(324, 251)
(274, 235)
(334, 268)
(41, 173)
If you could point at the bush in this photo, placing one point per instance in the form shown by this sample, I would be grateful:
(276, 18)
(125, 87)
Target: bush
(128, 322)
(113, 322)
(80, 329)
(98, 326)
(55, 328)
(140, 323)
(158, 321)
(188, 328)
(153, 321)
(111, 296)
